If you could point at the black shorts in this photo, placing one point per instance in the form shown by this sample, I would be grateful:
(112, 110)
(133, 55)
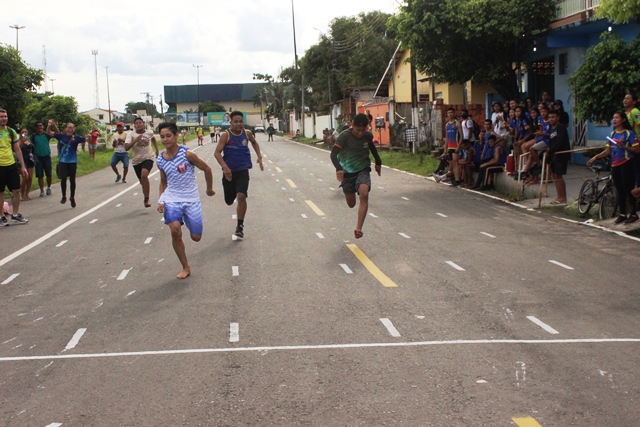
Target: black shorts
(9, 177)
(43, 167)
(146, 164)
(351, 183)
(559, 168)
(239, 184)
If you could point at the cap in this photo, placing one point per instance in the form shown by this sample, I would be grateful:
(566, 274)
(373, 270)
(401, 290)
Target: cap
(557, 101)
(120, 124)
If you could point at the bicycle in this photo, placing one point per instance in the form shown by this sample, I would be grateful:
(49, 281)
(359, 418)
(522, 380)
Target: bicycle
(591, 193)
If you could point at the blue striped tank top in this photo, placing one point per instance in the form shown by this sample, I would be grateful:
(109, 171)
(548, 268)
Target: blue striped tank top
(181, 178)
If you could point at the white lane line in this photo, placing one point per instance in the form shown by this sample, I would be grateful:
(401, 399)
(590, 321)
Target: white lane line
(234, 332)
(561, 264)
(58, 229)
(542, 325)
(130, 293)
(124, 274)
(10, 278)
(290, 199)
(454, 265)
(234, 216)
(442, 215)
(392, 329)
(404, 235)
(303, 215)
(135, 194)
(319, 179)
(235, 271)
(373, 215)
(488, 235)
(118, 205)
(93, 221)
(332, 189)
(346, 268)
(320, 235)
(284, 188)
(75, 339)
(518, 342)
(404, 198)
(381, 188)
(149, 239)
(54, 425)
(61, 243)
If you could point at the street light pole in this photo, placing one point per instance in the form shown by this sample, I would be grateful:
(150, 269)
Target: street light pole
(198, 70)
(18, 28)
(53, 92)
(108, 96)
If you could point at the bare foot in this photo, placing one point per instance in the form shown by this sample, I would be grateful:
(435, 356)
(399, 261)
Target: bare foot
(358, 233)
(184, 274)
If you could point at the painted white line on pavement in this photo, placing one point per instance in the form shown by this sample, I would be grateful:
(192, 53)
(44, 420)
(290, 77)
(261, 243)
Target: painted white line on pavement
(589, 223)
(149, 239)
(58, 229)
(488, 235)
(320, 235)
(10, 278)
(332, 189)
(303, 216)
(346, 268)
(61, 243)
(235, 271)
(319, 179)
(75, 339)
(454, 265)
(284, 188)
(291, 200)
(130, 293)
(392, 329)
(324, 347)
(124, 274)
(404, 235)
(542, 325)
(234, 216)
(54, 425)
(560, 264)
(404, 198)
(118, 205)
(160, 260)
(234, 332)
(442, 215)
(93, 221)
(277, 180)
(135, 194)
(373, 215)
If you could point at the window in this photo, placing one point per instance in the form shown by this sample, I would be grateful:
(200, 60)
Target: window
(563, 62)
(100, 116)
(423, 97)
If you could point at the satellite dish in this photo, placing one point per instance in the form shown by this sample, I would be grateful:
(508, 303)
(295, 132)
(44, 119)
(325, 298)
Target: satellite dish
(355, 94)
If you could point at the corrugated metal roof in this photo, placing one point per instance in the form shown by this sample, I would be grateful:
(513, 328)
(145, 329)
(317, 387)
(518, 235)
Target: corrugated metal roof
(211, 92)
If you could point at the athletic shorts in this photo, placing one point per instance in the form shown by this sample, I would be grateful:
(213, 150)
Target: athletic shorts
(9, 177)
(351, 184)
(201, 138)
(540, 147)
(120, 157)
(93, 147)
(559, 168)
(188, 213)
(239, 184)
(146, 164)
(43, 167)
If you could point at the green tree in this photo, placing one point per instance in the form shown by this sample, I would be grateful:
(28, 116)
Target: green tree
(210, 106)
(133, 107)
(619, 11)
(480, 40)
(609, 71)
(17, 79)
(273, 94)
(62, 109)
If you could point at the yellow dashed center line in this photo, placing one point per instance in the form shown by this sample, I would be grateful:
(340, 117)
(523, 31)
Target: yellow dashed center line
(314, 208)
(292, 184)
(277, 168)
(526, 422)
(369, 265)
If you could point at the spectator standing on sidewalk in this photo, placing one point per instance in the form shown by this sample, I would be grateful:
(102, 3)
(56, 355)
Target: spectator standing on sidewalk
(93, 142)
(622, 145)
(630, 103)
(67, 158)
(558, 141)
(29, 162)
(10, 170)
(42, 151)
(120, 153)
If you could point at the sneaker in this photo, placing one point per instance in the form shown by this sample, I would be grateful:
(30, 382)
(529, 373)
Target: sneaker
(437, 178)
(48, 191)
(455, 183)
(632, 218)
(124, 181)
(19, 219)
(42, 194)
(620, 219)
(73, 202)
(118, 178)
(3, 221)
(63, 200)
(147, 203)
(240, 232)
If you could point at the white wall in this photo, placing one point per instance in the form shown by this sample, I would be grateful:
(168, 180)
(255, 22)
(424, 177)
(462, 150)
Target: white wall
(309, 130)
(322, 122)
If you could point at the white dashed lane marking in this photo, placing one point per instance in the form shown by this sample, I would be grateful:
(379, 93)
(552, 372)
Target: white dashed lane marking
(93, 221)
(10, 278)
(373, 216)
(124, 274)
(149, 239)
(404, 235)
(442, 215)
(542, 325)
(235, 271)
(454, 265)
(234, 332)
(560, 264)
(61, 243)
(75, 339)
(320, 235)
(303, 215)
(488, 235)
(346, 268)
(404, 198)
(392, 329)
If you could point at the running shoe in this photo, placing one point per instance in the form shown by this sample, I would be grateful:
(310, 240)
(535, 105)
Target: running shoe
(42, 194)
(48, 191)
(63, 200)
(620, 219)
(147, 203)
(3, 221)
(632, 218)
(240, 232)
(72, 201)
(124, 181)
(19, 219)
(118, 178)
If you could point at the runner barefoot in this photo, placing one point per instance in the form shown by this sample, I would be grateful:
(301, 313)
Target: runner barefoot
(179, 198)
(350, 156)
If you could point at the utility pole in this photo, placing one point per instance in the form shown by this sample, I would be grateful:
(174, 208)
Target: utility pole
(18, 28)
(146, 102)
(52, 90)
(295, 52)
(108, 98)
(198, 70)
(161, 107)
(95, 61)
(44, 68)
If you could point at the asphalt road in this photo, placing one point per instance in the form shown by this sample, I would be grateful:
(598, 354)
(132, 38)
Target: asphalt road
(453, 310)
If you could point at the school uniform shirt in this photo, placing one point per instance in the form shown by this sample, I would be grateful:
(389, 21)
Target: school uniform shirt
(626, 138)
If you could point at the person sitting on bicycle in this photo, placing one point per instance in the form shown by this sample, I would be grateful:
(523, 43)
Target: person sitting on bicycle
(622, 145)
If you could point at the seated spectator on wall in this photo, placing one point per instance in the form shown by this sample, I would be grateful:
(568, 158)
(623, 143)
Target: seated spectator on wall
(493, 155)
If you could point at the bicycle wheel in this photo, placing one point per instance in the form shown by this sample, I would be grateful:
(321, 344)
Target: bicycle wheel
(586, 196)
(608, 203)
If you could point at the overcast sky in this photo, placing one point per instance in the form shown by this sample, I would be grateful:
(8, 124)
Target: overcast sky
(150, 44)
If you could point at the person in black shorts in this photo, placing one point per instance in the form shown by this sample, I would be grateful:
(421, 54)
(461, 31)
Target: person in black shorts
(10, 170)
(350, 156)
(141, 142)
(232, 153)
(558, 141)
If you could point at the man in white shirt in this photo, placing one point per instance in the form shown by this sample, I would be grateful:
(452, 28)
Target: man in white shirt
(140, 140)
